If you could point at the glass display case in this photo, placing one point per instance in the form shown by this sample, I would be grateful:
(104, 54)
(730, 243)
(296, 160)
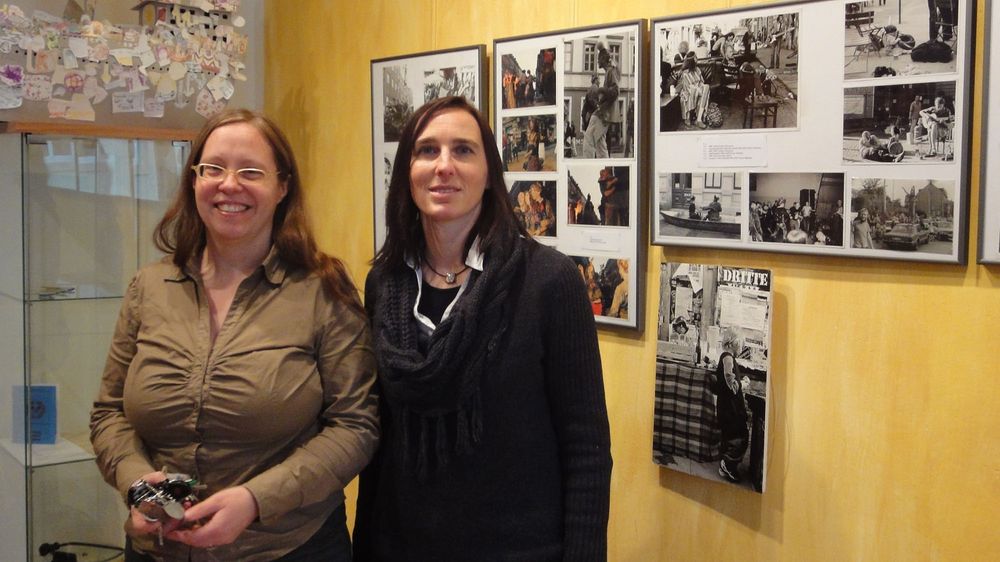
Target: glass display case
(77, 223)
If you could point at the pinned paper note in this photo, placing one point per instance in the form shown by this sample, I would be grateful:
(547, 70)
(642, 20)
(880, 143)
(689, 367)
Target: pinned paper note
(11, 96)
(221, 88)
(152, 108)
(79, 108)
(11, 74)
(127, 102)
(207, 106)
(37, 87)
(69, 59)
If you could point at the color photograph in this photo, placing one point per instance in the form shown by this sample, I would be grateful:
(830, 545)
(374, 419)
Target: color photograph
(529, 78)
(607, 284)
(534, 205)
(529, 143)
(598, 195)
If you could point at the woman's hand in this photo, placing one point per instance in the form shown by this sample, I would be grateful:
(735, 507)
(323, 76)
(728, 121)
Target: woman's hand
(228, 513)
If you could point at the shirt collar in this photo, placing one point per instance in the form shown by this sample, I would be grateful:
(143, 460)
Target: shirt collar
(474, 259)
(274, 268)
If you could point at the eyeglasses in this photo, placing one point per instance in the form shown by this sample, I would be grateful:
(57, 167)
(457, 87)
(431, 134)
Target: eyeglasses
(246, 176)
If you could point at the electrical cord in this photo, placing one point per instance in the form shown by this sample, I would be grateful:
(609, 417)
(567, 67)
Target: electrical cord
(47, 548)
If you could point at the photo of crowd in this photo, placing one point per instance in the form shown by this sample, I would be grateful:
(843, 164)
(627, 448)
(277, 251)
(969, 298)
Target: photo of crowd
(908, 123)
(397, 99)
(450, 81)
(903, 215)
(534, 205)
(529, 143)
(729, 72)
(529, 79)
(598, 195)
(607, 284)
(900, 38)
(700, 204)
(797, 208)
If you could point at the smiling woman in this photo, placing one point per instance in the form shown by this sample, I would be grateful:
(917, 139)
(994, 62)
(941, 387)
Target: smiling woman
(241, 360)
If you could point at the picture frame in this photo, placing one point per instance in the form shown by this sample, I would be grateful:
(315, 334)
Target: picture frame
(400, 85)
(989, 164)
(567, 110)
(757, 145)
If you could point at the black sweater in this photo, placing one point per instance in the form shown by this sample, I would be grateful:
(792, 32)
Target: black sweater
(537, 486)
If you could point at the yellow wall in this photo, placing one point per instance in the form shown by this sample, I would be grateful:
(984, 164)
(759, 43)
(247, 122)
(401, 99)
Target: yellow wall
(884, 399)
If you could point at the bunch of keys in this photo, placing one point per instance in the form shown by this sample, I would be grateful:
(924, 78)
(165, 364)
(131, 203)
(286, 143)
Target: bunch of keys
(164, 499)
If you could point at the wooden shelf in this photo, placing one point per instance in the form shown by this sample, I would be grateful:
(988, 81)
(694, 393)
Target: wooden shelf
(93, 130)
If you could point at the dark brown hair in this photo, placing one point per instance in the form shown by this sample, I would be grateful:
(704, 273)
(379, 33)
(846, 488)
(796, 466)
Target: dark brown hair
(181, 231)
(496, 226)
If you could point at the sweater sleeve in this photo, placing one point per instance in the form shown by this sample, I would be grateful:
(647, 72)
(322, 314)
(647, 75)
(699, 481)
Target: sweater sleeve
(361, 540)
(575, 387)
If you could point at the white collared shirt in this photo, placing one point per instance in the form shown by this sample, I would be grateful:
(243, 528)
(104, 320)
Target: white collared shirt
(474, 259)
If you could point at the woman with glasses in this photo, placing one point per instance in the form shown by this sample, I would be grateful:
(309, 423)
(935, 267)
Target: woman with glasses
(495, 431)
(241, 360)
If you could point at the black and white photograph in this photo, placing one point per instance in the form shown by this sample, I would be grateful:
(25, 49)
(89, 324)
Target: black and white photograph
(900, 123)
(529, 78)
(534, 205)
(797, 208)
(607, 284)
(729, 73)
(529, 143)
(400, 85)
(598, 195)
(450, 81)
(599, 88)
(900, 38)
(397, 100)
(903, 215)
(712, 368)
(700, 204)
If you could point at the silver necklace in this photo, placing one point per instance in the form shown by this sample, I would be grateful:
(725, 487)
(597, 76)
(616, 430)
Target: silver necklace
(448, 276)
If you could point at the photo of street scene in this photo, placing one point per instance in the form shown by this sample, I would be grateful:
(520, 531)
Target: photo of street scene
(529, 143)
(907, 123)
(397, 99)
(729, 72)
(599, 80)
(607, 284)
(903, 215)
(700, 204)
(797, 208)
(529, 78)
(900, 38)
(598, 195)
(712, 368)
(450, 81)
(534, 205)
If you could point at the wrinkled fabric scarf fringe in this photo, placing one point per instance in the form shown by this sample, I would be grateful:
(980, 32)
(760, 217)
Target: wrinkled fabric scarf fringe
(435, 399)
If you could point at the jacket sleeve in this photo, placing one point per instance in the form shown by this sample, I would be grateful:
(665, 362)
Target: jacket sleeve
(361, 541)
(346, 441)
(121, 455)
(575, 387)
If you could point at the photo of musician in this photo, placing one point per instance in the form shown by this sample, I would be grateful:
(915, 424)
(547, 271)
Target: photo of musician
(529, 143)
(728, 72)
(797, 208)
(901, 123)
(902, 38)
(534, 205)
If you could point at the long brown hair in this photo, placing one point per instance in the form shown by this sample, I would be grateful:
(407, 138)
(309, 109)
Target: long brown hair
(497, 227)
(181, 231)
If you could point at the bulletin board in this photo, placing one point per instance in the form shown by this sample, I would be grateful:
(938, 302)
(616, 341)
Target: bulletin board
(817, 127)
(157, 64)
(566, 110)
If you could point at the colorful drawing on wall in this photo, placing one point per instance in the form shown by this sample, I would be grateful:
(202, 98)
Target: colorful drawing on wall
(184, 51)
(712, 370)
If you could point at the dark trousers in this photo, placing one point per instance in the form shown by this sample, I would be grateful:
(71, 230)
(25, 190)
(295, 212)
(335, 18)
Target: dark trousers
(330, 543)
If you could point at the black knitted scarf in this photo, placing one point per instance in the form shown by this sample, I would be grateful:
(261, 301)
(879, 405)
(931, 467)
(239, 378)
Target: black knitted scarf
(435, 397)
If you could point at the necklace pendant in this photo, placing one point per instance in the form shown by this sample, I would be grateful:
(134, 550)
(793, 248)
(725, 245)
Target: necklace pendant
(449, 278)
